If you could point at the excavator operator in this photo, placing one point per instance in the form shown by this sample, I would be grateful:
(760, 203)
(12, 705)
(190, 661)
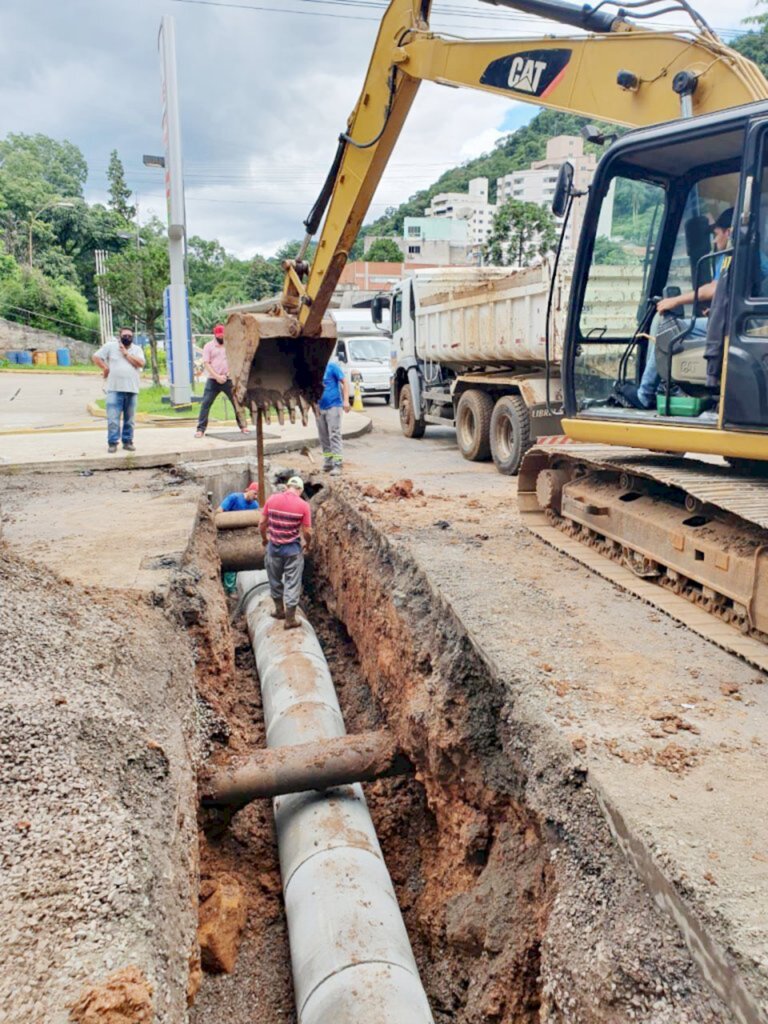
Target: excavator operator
(643, 396)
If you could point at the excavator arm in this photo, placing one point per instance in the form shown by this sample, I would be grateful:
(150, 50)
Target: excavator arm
(619, 73)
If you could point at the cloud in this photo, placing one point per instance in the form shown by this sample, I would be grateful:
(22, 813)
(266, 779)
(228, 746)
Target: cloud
(263, 98)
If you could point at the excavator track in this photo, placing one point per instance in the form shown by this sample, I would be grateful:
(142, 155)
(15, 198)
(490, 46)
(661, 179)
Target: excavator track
(686, 536)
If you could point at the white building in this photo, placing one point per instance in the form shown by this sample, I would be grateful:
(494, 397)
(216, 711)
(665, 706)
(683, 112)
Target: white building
(537, 184)
(472, 207)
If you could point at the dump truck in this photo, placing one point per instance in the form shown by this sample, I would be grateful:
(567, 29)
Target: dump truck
(470, 351)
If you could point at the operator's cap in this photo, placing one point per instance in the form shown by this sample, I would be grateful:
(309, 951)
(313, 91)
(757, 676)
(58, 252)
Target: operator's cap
(218, 331)
(725, 220)
(296, 482)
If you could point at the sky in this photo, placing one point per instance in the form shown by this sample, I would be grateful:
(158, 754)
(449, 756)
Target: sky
(264, 94)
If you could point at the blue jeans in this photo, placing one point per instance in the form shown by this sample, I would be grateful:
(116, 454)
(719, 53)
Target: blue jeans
(649, 382)
(120, 403)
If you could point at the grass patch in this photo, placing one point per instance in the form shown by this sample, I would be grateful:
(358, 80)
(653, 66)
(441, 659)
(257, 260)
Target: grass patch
(150, 402)
(72, 368)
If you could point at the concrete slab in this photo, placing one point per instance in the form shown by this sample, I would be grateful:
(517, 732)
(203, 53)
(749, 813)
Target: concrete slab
(125, 533)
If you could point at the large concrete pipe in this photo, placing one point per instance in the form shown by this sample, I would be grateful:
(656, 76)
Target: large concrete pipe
(350, 954)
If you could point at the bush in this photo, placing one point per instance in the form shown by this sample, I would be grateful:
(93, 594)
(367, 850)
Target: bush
(28, 297)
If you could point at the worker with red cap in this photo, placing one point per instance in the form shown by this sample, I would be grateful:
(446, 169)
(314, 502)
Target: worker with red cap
(215, 363)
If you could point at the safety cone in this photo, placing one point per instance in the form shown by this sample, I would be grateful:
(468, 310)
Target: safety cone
(357, 403)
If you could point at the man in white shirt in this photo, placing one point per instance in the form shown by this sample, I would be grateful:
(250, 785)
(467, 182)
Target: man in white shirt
(121, 363)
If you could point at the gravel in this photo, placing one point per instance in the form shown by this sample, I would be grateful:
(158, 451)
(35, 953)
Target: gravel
(97, 846)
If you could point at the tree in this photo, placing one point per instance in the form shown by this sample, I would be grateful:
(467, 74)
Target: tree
(135, 281)
(265, 278)
(290, 251)
(521, 232)
(119, 193)
(384, 250)
(28, 297)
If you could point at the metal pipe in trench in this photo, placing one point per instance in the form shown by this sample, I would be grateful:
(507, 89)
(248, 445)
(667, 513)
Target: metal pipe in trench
(350, 955)
(295, 769)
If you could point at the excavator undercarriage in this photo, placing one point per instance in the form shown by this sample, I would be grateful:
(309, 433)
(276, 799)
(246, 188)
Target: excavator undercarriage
(648, 521)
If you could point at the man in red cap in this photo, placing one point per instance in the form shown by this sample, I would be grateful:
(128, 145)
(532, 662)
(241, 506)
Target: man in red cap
(215, 363)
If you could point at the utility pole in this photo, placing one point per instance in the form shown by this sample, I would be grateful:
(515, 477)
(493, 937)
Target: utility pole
(105, 303)
(178, 340)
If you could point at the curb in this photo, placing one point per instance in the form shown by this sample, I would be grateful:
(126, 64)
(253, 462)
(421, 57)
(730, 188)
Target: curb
(136, 461)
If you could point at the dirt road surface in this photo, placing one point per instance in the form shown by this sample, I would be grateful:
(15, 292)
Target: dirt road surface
(668, 731)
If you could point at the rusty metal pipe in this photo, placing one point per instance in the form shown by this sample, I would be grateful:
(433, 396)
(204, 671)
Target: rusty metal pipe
(237, 520)
(350, 954)
(319, 765)
(240, 550)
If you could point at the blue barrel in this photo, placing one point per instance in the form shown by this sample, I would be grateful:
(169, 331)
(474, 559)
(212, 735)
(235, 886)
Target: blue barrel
(62, 357)
(24, 358)
(12, 357)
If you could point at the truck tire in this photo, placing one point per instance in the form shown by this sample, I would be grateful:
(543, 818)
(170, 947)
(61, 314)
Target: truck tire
(409, 425)
(510, 433)
(473, 425)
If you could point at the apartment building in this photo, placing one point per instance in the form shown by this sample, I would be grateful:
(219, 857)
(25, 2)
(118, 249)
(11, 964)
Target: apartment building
(537, 184)
(441, 242)
(471, 206)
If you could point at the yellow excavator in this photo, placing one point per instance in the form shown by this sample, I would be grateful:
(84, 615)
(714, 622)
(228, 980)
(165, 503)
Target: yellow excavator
(698, 161)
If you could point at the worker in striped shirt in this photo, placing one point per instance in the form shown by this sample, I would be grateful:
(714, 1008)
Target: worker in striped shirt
(286, 524)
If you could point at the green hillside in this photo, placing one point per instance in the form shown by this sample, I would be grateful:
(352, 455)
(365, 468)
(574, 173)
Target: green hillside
(520, 148)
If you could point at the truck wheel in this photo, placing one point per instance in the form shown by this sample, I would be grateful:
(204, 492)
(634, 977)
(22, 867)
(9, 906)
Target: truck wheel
(473, 425)
(510, 433)
(409, 425)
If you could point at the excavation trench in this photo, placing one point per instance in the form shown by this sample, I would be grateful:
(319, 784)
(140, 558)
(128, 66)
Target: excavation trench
(518, 905)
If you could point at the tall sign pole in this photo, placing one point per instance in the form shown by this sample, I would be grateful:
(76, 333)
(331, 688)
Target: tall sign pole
(178, 335)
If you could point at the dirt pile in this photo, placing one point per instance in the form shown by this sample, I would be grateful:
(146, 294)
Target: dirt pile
(124, 998)
(223, 913)
(398, 491)
(97, 846)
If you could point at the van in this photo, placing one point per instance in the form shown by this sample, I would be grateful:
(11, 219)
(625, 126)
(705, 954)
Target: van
(366, 361)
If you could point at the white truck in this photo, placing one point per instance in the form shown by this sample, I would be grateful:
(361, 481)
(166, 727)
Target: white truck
(363, 349)
(469, 351)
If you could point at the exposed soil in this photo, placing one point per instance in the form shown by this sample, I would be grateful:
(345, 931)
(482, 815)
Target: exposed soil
(519, 904)
(229, 703)
(97, 843)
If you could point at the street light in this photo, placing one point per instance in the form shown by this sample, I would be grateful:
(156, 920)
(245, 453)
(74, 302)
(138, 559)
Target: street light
(48, 206)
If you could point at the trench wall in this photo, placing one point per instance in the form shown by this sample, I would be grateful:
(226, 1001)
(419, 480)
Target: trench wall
(521, 872)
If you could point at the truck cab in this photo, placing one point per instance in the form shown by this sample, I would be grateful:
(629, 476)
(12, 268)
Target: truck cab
(469, 352)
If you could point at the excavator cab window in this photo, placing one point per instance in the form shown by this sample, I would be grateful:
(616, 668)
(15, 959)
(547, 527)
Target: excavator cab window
(625, 246)
(653, 237)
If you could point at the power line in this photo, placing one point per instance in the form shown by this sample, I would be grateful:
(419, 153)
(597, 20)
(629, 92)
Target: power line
(452, 12)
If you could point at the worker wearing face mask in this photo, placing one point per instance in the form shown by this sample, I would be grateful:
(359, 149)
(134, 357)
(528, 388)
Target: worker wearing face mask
(121, 363)
(215, 363)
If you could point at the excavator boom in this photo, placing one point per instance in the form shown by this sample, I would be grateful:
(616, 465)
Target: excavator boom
(619, 73)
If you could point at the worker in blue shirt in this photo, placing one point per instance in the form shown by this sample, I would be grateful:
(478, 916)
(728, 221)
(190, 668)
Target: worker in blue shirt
(238, 501)
(242, 501)
(335, 397)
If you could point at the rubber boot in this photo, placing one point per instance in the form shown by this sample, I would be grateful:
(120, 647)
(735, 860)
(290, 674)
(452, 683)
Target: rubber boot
(290, 619)
(279, 612)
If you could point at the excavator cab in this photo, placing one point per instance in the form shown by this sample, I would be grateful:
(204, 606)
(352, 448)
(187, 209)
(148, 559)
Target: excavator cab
(675, 211)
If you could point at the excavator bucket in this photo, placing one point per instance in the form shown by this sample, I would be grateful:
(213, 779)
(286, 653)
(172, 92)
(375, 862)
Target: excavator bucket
(271, 369)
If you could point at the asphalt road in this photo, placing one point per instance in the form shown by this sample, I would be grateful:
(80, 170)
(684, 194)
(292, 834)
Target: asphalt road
(43, 400)
(433, 462)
